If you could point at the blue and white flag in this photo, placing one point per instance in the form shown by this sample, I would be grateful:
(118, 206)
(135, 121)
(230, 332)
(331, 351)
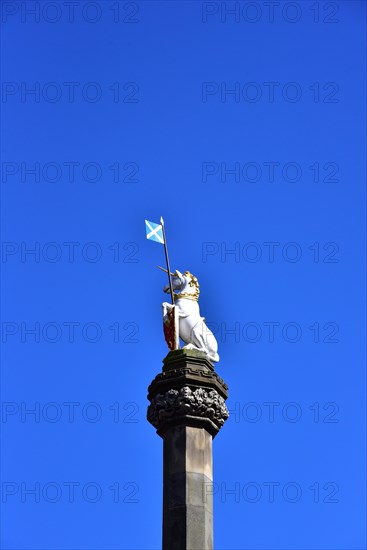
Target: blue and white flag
(154, 232)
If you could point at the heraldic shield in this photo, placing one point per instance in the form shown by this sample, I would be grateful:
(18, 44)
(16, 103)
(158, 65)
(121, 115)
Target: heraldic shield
(170, 326)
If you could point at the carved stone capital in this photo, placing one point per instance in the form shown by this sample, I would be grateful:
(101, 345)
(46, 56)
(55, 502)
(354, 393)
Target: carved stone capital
(188, 403)
(188, 391)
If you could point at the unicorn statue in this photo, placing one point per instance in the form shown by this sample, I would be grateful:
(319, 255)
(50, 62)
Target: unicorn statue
(183, 320)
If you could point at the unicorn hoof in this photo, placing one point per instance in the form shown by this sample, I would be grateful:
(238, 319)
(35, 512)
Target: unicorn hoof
(190, 346)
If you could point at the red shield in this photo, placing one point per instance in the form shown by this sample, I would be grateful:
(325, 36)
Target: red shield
(170, 329)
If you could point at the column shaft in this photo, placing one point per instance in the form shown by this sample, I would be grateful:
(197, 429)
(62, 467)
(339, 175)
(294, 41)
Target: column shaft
(187, 494)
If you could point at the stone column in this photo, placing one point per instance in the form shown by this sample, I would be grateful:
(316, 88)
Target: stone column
(187, 407)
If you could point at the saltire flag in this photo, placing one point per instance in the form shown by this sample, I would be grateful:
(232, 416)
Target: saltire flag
(154, 232)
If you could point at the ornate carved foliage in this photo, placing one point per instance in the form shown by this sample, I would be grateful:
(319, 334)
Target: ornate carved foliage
(187, 401)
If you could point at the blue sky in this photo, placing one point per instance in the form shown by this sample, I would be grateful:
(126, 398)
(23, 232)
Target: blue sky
(246, 131)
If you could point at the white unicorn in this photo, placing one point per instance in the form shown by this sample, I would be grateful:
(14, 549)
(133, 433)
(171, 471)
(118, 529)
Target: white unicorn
(192, 328)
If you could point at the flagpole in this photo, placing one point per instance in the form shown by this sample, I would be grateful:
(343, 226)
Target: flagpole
(167, 261)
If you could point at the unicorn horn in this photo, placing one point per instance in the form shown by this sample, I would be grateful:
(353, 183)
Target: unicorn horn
(165, 270)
